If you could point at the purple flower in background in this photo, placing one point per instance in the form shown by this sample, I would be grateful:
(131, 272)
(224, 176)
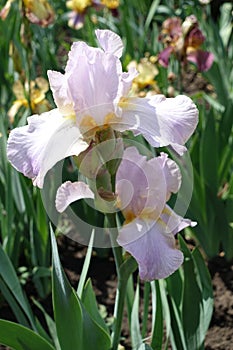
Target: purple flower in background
(91, 95)
(142, 188)
(184, 41)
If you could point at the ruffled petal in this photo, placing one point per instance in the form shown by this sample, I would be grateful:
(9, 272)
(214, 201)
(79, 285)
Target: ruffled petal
(152, 243)
(174, 223)
(153, 249)
(162, 121)
(61, 94)
(70, 192)
(140, 185)
(110, 42)
(35, 148)
(202, 59)
(171, 172)
(93, 84)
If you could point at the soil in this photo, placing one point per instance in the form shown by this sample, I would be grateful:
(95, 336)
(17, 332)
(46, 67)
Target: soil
(103, 275)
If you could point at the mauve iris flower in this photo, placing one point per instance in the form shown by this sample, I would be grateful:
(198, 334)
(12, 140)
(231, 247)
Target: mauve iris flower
(184, 41)
(93, 94)
(142, 188)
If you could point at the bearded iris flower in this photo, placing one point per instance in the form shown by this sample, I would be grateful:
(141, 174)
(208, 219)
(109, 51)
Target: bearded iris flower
(90, 95)
(184, 40)
(142, 189)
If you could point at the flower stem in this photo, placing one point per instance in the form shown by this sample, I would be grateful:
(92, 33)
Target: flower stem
(121, 288)
(118, 312)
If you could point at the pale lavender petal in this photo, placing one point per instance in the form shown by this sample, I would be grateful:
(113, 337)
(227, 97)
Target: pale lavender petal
(152, 243)
(140, 185)
(70, 192)
(35, 148)
(153, 249)
(126, 81)
(202, 59)
(177, 118)
(61, 94)
(93, 84)
(174, 223)
(162, 121)
(110, 42)
(171, 172)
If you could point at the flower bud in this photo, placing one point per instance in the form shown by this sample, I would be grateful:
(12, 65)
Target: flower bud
(39, 12)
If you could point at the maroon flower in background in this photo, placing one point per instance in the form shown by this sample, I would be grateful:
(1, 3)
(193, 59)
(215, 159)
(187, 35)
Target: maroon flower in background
(184, 41)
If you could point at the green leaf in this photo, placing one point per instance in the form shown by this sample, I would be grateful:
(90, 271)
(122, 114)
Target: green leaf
(90, 304)
(157, 312)
(191, 311)
(50, 324)
(75, 327)
(85, 266)
(206, 292)
(209, 154)
(21, 338)
(151, 13)
(10, 278)
(135, 325)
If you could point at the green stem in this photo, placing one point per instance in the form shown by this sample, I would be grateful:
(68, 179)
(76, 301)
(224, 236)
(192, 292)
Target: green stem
(146, 301)
(121, 288)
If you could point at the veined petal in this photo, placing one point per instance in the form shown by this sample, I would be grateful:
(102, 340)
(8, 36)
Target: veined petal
(202, 59)
(70, 192)
(174, 223)
(35, 148)
(171, 172)
(93, 84)
(153, 250)
(162, 121)
(59, 86)
(110, 42)
(140, 186)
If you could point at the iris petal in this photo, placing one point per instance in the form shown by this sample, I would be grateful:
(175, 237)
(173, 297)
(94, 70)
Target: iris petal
(35, 148)
(154, 250)
(110, 42)
(162, 121)
(70, 192)
(140, 185)
(152, 244)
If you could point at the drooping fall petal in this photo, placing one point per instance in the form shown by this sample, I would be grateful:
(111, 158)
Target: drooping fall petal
(35, 148)
(70, 192)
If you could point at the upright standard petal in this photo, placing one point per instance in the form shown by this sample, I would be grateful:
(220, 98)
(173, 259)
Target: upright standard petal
(61, 94)
(35, 148)
(162, 121)
(171, 172)
(110, 42)
(70, 192)
(154, 250)
(140, 186)
(93, 85)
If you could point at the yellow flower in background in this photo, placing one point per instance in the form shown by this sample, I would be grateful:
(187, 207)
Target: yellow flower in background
(146, 77)
(39, 12)
(79, 9)
(30, 95)
(111, 4)
(78, 5)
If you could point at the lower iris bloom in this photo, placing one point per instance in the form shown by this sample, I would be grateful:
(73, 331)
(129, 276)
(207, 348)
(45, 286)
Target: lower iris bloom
(142, 189)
